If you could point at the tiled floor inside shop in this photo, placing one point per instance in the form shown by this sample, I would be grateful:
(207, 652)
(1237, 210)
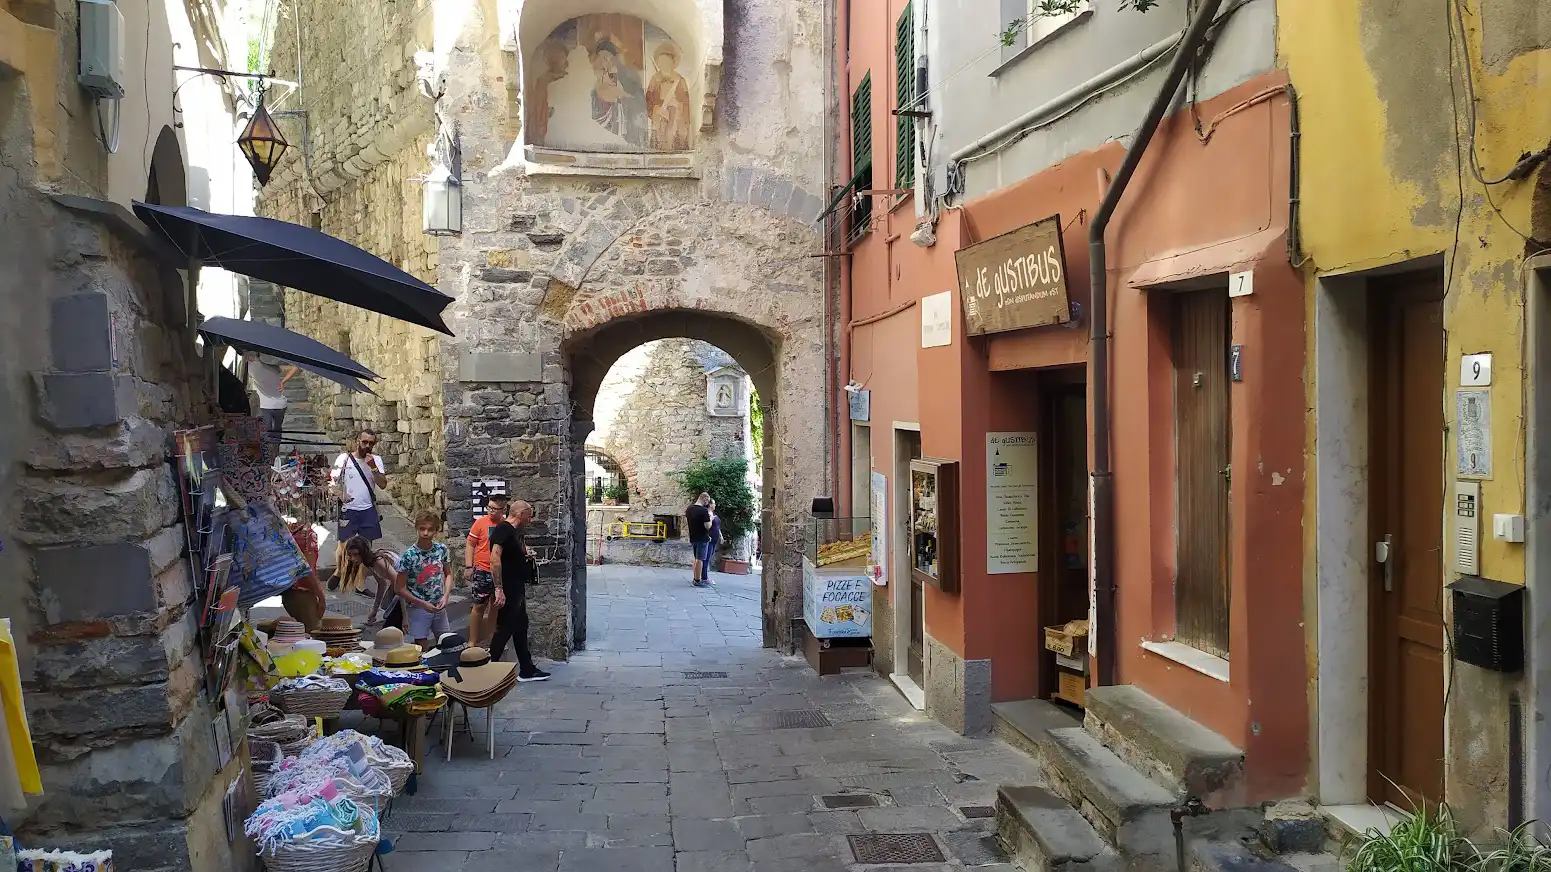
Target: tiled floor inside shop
(675, 743)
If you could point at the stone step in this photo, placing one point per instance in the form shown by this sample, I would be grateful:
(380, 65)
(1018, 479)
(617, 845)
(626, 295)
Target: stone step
(1128, 810)
(1209, 855)
(1043, 833)
(1022, 723)
(1164, 744)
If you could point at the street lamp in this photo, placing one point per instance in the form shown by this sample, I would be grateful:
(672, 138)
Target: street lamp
(442, 212)
(262, 143)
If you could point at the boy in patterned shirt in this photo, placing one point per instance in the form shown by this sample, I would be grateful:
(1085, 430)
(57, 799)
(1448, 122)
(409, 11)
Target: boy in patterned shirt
(425, 581)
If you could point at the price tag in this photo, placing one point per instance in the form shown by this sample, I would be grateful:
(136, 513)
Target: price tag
(1475, 370)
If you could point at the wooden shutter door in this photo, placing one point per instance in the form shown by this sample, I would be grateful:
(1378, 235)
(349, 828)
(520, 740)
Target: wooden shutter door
(1201, 429)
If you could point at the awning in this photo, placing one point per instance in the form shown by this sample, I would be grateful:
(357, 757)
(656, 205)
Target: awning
(300, 258)
(282, 343)
(866, 168)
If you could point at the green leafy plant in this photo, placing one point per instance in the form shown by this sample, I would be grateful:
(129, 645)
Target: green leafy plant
(619, 492)
(727, 481)
(756, 428)
(1049, 8)
(1429, 841)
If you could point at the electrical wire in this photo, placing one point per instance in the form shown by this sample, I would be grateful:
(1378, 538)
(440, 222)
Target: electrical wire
(1459, 170)
(1456, 12)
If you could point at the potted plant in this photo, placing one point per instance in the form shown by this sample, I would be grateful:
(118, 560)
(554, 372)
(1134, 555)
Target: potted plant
(618, 494)
(727, 481)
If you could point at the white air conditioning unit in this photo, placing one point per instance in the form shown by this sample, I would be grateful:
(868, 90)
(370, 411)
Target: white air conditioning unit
(102, 49)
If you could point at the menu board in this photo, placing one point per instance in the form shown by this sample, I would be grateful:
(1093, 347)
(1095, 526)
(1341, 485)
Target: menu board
(1012, 503)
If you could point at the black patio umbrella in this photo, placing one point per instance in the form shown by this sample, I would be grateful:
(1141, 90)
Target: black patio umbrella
(300, 258)
(350, 382)
(282, 343)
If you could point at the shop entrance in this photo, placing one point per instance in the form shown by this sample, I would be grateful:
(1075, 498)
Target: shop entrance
(1405, 722)
(910, 601)
(1064, 519)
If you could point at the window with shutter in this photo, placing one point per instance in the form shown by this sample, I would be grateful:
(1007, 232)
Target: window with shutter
(861, 124)
(905, 95)
(861, 158)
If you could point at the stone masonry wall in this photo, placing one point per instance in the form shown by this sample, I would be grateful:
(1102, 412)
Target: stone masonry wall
(662, 426)
(96, 586)
(367, 135)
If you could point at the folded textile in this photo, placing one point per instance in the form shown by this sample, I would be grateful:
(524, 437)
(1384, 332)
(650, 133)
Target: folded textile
(378, 676)
(401, 694)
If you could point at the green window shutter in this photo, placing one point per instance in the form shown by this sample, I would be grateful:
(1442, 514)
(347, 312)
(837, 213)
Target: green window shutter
(861, 124)
(905, 91)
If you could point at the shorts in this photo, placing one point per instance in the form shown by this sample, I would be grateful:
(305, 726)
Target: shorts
(483, 585)
(360, 522)
(702, 550)
(426, 624)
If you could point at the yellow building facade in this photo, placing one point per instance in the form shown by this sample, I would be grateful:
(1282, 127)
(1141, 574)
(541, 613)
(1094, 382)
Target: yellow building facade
(1424, 196)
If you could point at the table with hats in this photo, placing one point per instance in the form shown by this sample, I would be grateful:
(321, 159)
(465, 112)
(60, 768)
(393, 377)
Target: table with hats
(325, 790)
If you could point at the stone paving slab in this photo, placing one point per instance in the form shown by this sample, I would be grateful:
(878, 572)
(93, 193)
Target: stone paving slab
(622, 762)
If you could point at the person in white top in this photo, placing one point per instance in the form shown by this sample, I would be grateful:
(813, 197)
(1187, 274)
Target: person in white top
(269, 384)
(357, 476)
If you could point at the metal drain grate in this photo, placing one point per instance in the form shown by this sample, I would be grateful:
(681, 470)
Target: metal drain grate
(977, 811)
(896, 848)
(973, 849)
(798, 719)
(701, 676)
(849, 800)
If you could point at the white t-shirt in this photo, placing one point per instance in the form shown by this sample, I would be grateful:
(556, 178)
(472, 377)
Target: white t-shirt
(266, 382)
(357, 496)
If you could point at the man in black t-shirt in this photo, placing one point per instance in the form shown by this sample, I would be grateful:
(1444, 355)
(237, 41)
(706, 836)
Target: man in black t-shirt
(514, 570)
(698, 519)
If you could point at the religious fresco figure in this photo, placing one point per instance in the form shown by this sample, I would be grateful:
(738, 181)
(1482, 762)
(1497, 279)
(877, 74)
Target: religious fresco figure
(667, 101)
(615, 94)
(552, 66)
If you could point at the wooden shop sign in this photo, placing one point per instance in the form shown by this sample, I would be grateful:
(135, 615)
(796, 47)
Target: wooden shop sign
(1015, 280)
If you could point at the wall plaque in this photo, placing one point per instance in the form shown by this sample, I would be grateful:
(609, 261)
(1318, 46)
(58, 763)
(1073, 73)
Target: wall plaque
(1015, 280)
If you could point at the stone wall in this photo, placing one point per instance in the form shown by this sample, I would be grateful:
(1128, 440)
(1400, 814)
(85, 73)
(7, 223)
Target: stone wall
(96, 586)
(662, 426)
(366, 136)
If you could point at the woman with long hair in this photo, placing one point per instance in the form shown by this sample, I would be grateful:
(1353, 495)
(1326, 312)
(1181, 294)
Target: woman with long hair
(380, 563)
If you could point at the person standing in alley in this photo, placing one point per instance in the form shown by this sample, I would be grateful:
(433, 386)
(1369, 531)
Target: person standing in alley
(356, 477)
(715, 544)
(698, 519)
(269, 384)
(425, 582)
(476, 568)
(514, 568)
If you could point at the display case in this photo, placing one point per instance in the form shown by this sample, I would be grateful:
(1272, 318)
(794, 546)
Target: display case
(839, 544)
(934, 523)
(837, 587)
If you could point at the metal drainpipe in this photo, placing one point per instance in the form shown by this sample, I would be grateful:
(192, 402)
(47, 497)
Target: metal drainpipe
(1098, 276)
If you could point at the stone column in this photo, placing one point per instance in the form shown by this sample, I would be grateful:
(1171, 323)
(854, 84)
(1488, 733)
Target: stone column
(112, 672)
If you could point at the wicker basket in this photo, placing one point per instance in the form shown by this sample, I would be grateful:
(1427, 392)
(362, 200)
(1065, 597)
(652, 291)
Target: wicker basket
(324, 850)
(285, 731)
(398, 772)
(266, 756)
(313, 702)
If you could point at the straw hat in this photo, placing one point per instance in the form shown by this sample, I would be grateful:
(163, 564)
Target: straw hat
(476, 681)
(403, 655)
(386, 640)
(288, 631)
(337, 622)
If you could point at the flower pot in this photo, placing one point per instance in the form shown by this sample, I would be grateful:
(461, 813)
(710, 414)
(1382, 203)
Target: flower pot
(734, 567)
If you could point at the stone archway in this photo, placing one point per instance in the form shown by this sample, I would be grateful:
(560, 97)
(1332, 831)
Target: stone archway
(717, 279)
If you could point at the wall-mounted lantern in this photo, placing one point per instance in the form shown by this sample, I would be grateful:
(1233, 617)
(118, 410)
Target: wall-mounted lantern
(441, 211)
(262, 143)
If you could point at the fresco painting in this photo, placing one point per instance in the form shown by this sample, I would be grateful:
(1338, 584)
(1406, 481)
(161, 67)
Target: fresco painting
(609, 82)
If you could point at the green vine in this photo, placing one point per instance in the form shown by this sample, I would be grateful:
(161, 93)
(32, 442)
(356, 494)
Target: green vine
(757, 428)
(1050, 8)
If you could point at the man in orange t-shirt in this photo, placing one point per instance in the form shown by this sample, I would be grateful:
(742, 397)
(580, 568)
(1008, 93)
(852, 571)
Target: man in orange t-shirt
(476, 568)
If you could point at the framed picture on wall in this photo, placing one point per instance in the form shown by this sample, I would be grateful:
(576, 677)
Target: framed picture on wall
(934, 523)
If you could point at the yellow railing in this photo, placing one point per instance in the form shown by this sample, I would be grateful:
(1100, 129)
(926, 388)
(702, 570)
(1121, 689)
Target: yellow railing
(638, 530)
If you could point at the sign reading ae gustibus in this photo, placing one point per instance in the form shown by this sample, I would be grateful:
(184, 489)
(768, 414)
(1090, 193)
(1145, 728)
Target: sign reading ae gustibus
(1015, 280)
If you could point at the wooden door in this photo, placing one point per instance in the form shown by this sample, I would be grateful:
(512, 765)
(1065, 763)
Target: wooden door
(1406, 511)
(915, 660)
(1202, 421)
(1063, 515)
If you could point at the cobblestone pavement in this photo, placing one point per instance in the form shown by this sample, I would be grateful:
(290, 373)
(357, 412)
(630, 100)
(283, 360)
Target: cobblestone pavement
(675, 743)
